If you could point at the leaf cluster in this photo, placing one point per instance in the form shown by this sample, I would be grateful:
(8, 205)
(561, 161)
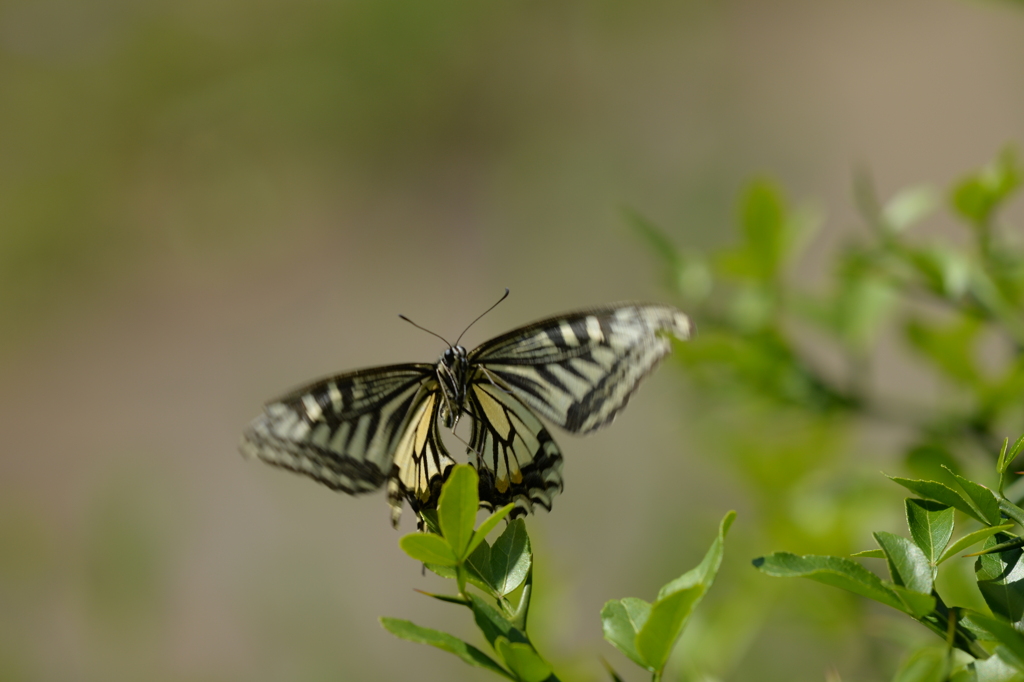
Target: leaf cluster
(457, 550)
(794, 343)
(503, 573)
(947, 300)
(646, 632)
(991, 643)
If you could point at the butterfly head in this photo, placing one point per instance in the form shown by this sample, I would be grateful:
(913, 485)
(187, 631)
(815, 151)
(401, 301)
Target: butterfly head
(453, 375)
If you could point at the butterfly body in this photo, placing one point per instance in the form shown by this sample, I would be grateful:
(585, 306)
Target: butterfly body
(453, 372)
(358, 431)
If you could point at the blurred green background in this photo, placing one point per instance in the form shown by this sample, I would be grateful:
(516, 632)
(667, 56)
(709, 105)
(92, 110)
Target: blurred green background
(203, 204)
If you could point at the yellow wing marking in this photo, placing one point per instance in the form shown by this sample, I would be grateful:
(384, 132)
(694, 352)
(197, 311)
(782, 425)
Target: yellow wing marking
(410, 455)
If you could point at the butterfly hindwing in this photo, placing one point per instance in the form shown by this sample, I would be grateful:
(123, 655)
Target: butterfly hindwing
(344, 431)
(578, 370)
(517, 459)
(421, 462)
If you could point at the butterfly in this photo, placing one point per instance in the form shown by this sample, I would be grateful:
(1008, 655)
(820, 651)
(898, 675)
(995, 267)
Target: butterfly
(359, 431)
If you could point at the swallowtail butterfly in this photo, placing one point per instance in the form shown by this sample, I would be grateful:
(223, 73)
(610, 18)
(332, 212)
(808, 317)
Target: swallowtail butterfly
(358, 431)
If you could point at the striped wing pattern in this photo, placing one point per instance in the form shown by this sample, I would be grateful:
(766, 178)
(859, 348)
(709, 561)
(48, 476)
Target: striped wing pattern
(516, 457)
(353, 432)
(578, 370)
(421, 463)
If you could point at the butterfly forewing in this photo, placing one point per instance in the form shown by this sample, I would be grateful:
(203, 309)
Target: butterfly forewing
(342, 431)
(578, 370)
(517, 459)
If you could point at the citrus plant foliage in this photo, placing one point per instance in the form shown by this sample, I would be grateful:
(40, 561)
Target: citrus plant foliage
(799, 345)
(746, 304)
(913, 565)
(502, 577)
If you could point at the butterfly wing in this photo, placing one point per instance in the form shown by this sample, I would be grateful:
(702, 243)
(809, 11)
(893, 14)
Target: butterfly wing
(517, 459)
(421, 463)
(579, 369)
(345, 431)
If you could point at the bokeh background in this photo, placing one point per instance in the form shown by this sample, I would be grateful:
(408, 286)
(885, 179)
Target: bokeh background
(203, 204)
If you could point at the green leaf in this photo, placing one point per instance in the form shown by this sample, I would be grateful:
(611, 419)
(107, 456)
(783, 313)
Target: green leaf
(977, 196)
(972, 539)
(487, 526)
(950, 348)
(456, 510)
(909, 206)
(947, 273)
(525, 663)
(622, 620)
(479, 569)
(1012, 511)
(751, 308)
(931, 526)
(705, 572)
(429, 518)
(665, 623)
(447, 598)
(647, 632)
(511, 558)
(861, 306)
(442, 640)
(1015, 543)
(924, 665)
(1010, 657)
(1018, 445)
(1015, 490)
(917, 603)
(1006, 459)
(493, 624)
(991, 669)
(965, 633)
(763, 220)
(1004, 633)
(990, 295)
(1001, 580)
(908, 565)
(1001, 463)
(694, 278)
(831, 570)
(869, 554)
(940, 492)
(428, 548)
(984, 500)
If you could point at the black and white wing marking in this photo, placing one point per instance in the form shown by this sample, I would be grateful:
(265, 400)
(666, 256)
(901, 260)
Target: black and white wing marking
(579, 369)
(517, 459)
(421, 462)
(356, 431)
(353, 432)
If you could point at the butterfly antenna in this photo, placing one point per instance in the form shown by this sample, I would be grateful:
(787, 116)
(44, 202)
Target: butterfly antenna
(425, 329)
(504, 296)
